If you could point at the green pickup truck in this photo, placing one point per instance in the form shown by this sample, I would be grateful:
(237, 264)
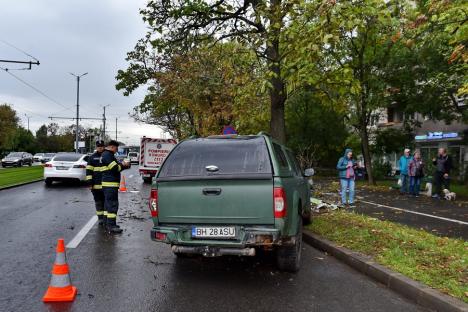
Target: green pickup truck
(231, 195)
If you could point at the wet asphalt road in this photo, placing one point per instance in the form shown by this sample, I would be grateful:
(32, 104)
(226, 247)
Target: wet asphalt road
(132, 273)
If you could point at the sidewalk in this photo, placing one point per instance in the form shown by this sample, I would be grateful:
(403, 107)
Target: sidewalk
(440, 217)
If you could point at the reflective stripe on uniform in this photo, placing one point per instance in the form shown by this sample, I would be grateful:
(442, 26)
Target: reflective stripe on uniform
(89, 177)
(111, 215)
(120, 168)
(97, 187)
(112, 164)
(105, 213)
(100, 213)
(89, 167)
(102, 168)
(110, 184)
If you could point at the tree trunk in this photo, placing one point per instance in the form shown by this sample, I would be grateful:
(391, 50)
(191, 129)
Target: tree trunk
(277, 95)
(366, 153)
(277, 100)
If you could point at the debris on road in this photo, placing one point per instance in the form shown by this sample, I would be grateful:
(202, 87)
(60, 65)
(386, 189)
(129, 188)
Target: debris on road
(317, 204)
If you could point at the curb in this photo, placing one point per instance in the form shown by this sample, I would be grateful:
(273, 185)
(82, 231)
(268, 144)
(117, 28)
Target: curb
(412, 290)
(20, 184)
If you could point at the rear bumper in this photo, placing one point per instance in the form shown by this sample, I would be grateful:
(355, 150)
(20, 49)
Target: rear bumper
(179, 236)
(208, 251)
(64, 175)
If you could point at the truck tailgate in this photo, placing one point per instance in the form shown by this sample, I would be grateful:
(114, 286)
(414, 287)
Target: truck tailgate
(237, 201)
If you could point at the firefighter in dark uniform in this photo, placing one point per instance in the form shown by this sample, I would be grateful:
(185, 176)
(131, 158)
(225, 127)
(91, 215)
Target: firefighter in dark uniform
(93, 178)
(110, 185)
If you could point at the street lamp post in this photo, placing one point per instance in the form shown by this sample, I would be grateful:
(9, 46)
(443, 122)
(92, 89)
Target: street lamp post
(77, 109)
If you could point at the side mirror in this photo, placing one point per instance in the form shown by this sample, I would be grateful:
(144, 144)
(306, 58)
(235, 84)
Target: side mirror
(309, 172)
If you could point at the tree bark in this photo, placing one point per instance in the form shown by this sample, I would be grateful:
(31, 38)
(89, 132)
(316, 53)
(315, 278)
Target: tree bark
(363, 134)
(277, 100)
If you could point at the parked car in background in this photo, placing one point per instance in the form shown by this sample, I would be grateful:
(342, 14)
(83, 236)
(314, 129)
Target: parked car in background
(38, 157)
(231, 195)
(17, 159)
(47, 157)
(134, 157)
(65, 167)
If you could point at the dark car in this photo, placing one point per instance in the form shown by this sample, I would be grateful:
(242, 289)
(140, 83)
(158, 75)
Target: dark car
(47, 157)
(17, 159)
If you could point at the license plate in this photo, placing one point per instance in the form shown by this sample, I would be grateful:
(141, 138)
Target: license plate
(61, 168)
(214, 232)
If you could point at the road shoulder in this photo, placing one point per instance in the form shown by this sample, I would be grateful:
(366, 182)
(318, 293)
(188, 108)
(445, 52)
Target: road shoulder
(415, 291)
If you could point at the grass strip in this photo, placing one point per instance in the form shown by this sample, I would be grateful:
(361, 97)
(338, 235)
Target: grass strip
(439, 262)
(16, 176)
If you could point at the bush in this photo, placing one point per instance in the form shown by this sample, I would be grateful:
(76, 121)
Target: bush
(381, 169)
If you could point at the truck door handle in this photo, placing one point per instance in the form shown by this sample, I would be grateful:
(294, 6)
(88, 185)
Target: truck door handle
(211, 191)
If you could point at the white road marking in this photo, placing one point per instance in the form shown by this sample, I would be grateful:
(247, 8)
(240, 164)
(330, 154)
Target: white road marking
(130, 176)
(415, 212)
(82, 233)
(134, 191)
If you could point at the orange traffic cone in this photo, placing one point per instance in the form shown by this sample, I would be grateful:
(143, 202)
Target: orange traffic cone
(123, 187)
(60, 287)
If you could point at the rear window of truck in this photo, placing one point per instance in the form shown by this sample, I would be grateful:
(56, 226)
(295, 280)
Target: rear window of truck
(246, 156)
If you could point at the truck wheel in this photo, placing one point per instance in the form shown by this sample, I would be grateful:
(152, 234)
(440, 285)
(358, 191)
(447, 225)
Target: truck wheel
(30, 164)
(288, 258)
(306, 218)
(148, 180)
(48, 182)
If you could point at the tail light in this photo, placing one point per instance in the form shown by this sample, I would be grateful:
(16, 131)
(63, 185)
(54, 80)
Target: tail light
(279, 202)
(153, 203)
(160, 236)
(79, 166)
(48, 165)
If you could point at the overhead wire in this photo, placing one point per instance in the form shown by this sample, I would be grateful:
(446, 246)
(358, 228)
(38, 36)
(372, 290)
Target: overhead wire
(22, 51)
(35, 89)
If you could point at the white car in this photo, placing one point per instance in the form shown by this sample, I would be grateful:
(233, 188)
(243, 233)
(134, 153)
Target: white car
(134, 157)
(65, 166)
(38, 157)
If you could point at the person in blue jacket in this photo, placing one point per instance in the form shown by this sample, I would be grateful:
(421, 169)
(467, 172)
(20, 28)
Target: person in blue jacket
(403, 163)
(346, 171)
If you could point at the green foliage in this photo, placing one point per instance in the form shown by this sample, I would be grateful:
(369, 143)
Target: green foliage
(391, 140)
(316, 131)
(382, 169)
(202, 90)
(8, 126)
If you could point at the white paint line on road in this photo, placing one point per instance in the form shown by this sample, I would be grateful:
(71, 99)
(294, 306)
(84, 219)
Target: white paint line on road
(134, 191)
(130, 176)
(415, 212)
(82, 233)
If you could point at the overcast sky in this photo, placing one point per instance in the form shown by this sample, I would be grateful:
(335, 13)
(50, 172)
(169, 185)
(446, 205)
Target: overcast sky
(72, 36)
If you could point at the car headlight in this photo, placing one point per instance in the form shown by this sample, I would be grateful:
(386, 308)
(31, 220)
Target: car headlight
(3, 159)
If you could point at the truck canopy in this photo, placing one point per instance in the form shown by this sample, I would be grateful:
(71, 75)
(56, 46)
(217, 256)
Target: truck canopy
(242, 157)
(217, 181)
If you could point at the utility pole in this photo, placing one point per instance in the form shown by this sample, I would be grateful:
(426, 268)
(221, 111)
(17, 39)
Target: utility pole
(28, 120)
(77, 132)
(104, 122)
(115, 128)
